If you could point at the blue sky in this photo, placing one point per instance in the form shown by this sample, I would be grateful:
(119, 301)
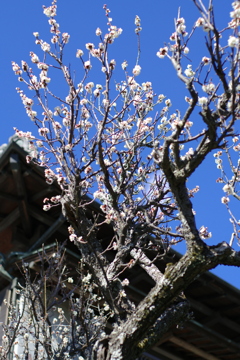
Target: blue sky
(19, 19)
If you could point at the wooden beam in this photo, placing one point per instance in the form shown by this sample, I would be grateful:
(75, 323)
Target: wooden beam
(189, 347)
(3, 176)
(214, 316)
(10, 197)
(166, 353)
(50, 231)
(46, 219)
(214, 336)
(9, 219)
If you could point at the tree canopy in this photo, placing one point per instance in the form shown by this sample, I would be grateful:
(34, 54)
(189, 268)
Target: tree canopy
(120, 144)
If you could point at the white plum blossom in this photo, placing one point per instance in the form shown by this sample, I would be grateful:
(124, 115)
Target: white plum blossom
(87, 65)
(161, 97)
(45, 46)
(65, 37)
(205, 60)
(90, 46)
(137, 20)
(189, 72)
(228, 189)
(79, 53)
(208, 88)
(34, 58)
(225, 200)
(200, 22)
(98, 31)
(203, 100)
(50, 11)
(203, 232)
(125, 282)
(42, 66)
(72, 237)
(162, 52)
(46, 207)
(124, 65)
(233, 41)
(137, 70)
(43, 131)
(168, 103)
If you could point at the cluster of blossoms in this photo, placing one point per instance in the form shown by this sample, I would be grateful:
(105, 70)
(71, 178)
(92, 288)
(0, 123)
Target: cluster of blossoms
(208, 88)
(218, 159)
(49, 203)
(22, 134)
(206, 26)
(175, 37)
(204, 233)
(75, 124)
(50, 11)
(138, 24)
(74, 238)
(235, 15)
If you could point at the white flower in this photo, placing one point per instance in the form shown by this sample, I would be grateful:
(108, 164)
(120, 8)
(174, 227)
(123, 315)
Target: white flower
(168, 102)
(72, 237)
(43, 131)
(161, 97)
(90, 46)
(98, 31)
(203, 232)
(186, 50)
(202, 101)
(65, 340)
(70, 280)
(189, 72)
(46, 207)
(88, 170)
(205, 60)
(137, 70)
(225, 200)
(228, 189)
(65, 37)
(125, 282)
(50, 11)
(200, 22)
(87, 65)
(68, 99)
(162, 52)
(233, 41)
(106, 307)
(208, 88)
(79, 53)
(86, 278)
(34, 58)
(96, 92)
(45, 46)
(42, 66)
(124, 65)
(137, 20)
